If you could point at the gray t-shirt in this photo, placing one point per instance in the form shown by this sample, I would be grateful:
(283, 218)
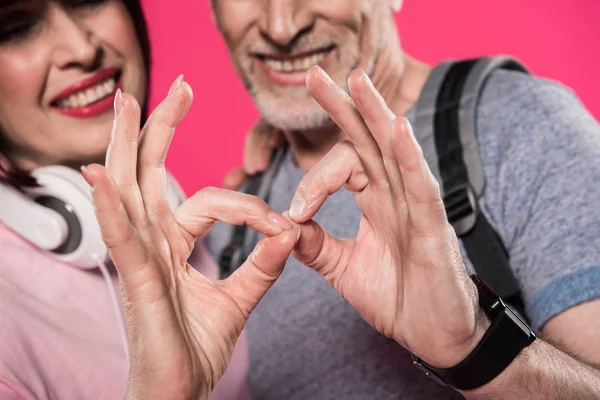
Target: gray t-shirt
(541, 154)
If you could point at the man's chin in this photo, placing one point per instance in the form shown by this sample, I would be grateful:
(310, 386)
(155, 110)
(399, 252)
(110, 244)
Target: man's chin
(294, 117)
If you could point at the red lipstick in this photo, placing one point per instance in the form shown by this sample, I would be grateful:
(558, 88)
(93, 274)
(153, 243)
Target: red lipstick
(94, 109)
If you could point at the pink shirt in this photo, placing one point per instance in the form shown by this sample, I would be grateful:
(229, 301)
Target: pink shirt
(59, 337)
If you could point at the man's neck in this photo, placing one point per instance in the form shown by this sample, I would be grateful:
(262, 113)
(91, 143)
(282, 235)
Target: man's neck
(398, 77)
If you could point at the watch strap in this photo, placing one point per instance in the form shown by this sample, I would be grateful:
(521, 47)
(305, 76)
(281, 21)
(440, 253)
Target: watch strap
(506, 336)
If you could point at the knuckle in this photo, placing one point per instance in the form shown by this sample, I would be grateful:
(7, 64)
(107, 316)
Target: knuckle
(149, 159)
(158, 212)
(345, 148)
(125, 185)
(206, 193)
(254, 207)
(118, 238)
(307, 186)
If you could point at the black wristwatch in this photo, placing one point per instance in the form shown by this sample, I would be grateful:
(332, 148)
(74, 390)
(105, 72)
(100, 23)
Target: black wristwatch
(507, 335)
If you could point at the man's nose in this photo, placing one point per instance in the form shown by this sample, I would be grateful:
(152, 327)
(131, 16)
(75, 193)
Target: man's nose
(283, 20)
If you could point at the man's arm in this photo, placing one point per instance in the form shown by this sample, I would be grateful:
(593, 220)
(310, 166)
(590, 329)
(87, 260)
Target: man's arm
(576, 331)
(545, 371)
(541, 371)
(403, 271)
(544, 200)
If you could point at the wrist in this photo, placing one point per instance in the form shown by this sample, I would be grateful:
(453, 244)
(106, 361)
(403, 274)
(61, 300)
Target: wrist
(453, 354)
(458, 353)
(506, 336)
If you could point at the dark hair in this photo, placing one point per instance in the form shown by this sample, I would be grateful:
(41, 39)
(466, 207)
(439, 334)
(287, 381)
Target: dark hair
(20, 179)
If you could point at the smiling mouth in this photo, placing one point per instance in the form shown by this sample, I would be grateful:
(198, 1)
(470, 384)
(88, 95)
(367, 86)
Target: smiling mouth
(88, 96)
(295, 63)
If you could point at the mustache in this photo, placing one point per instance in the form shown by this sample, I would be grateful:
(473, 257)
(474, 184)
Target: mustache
(300, 45)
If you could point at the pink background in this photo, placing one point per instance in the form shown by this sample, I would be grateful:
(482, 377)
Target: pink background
(556, 39)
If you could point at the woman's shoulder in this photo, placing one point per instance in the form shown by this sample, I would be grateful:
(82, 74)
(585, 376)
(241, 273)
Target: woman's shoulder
(16, 358)
(58, 330)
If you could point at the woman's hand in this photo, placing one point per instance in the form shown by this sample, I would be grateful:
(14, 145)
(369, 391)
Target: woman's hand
(182, 326)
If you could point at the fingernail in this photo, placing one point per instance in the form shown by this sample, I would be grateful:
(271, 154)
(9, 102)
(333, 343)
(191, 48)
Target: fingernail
(297, 228)
(175, 84)
(118, 104)
(86, 173)
(319, 72)
(368, 81)
(279, 220)
(407, 126)
(298, 206)
(364, 76)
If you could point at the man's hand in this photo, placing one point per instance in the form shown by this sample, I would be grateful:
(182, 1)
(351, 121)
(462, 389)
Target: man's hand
(403, 272)
(258, 148)
(182, 326)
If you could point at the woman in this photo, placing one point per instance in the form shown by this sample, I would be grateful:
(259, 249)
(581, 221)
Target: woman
(62, 63)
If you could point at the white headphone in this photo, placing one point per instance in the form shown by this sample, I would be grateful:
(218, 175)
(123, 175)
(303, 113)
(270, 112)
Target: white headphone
(59, 217)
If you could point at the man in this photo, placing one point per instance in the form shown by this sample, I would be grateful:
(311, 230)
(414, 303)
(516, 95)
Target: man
(542, 165)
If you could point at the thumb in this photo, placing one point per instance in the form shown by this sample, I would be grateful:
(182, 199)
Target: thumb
(249, 283)
(320, 251)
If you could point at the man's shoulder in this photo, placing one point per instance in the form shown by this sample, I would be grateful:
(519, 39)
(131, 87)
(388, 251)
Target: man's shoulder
(524, 117)
(507, 85)
(519, 99)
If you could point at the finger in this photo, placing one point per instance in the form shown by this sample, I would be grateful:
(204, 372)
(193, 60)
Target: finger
(121, 156)
(200, 212)
(340, 108)
(126, 248)
(378, 118)
(425, 205)
(320, 251)
(155, 140)
(277, 139)
(234, 178)
(258, 147)
(248, 284)
(340, 167)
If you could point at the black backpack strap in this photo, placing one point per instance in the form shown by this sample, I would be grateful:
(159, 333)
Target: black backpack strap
(243, 237)
(446, 129)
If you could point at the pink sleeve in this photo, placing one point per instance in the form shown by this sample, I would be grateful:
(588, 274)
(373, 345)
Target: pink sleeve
(9, 392)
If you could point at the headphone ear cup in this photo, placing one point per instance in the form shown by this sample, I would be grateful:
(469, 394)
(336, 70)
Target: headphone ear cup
(65, 191)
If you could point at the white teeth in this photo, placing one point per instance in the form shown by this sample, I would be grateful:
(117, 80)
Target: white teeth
(108, 86)
(81, 98)
(288, 66)
(307, 63)
(297, 65)
(89, 96)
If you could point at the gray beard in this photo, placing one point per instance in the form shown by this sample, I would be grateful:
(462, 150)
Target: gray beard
(304, 117)
(301, 118)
